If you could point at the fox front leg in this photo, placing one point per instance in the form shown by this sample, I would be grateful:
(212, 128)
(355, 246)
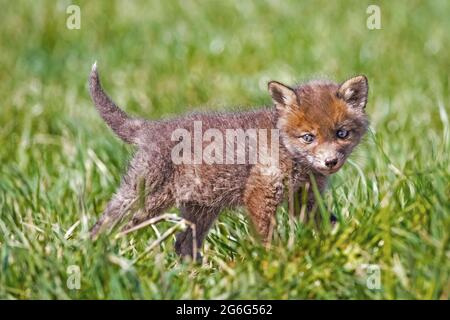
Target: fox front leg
(262, 196)
(307, 199)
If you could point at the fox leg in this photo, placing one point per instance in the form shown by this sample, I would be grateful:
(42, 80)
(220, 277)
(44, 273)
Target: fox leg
(154, 204)
(262, 197)
(144, 192)
(203, 218)
(307, 200)
(115, 211)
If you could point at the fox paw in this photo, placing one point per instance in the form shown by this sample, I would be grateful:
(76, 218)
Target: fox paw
(333, 219)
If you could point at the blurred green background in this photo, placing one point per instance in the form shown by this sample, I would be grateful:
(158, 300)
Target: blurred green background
(60, 163)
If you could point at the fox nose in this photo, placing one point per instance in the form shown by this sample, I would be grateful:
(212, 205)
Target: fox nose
(331, 162)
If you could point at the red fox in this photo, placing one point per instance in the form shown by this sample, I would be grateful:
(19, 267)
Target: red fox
(317, 125)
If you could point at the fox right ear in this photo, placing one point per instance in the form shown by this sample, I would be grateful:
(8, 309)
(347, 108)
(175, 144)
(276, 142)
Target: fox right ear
(354, 91)
(282, 95)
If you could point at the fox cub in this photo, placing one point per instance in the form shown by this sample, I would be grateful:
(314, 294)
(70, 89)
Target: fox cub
(315, 127)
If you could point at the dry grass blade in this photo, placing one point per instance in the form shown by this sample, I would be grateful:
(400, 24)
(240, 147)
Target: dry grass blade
(169, 217)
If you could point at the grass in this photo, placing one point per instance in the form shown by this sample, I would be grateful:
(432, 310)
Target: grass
(60, 163)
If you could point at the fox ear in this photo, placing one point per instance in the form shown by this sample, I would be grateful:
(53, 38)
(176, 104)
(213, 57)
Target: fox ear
(282, 95)
(354, 91)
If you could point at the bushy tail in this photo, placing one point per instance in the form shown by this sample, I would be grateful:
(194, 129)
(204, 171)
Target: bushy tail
(125, 127)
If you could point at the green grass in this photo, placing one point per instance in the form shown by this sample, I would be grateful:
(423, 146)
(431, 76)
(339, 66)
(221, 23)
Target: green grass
(60, 163)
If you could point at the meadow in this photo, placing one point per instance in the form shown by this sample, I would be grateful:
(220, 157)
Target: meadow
(60, 164)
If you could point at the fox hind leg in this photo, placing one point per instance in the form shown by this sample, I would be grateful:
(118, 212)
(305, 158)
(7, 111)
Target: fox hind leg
(155, 203)
(203, 218)
(143, 193)
(115, 211)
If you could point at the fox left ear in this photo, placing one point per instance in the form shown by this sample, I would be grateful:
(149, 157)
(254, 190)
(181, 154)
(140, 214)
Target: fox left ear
(354, 91)
(282, 95)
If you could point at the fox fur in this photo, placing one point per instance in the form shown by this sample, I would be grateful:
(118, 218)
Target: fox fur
(332, 115)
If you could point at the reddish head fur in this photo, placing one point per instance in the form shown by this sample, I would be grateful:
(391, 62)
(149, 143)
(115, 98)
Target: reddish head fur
(322, 111)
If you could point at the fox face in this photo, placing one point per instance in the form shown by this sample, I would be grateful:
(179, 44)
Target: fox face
(320, 123)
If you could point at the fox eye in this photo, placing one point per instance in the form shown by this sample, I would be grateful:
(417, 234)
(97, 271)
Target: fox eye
(308, 138)
(342, 133)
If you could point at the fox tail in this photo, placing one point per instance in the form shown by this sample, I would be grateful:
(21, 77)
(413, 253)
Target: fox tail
(122, 124)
